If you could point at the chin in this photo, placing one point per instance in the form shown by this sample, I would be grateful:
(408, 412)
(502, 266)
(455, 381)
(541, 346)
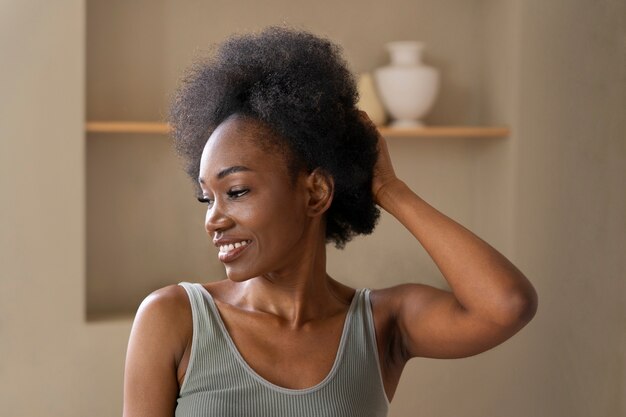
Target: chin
(239, 276)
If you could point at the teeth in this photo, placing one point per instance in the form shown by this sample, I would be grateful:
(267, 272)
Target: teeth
(231, 246)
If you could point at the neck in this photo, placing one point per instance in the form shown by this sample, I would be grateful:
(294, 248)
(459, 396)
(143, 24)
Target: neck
(299, 293)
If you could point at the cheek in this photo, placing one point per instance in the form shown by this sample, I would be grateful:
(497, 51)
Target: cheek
(279, 224)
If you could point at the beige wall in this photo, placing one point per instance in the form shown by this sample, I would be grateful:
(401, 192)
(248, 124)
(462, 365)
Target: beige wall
(571, 203)
(137, 51)
(51, 362)
(549, 196)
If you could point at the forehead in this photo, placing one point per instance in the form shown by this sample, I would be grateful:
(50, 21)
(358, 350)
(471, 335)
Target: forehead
(240, 141)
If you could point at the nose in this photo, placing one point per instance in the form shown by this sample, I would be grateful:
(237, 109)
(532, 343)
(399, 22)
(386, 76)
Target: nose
(217, 220)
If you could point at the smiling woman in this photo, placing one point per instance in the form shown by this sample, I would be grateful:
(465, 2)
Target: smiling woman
(286, 164)
(298, 87)
(252, 200)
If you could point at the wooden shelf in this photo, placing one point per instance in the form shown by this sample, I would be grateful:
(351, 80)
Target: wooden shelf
(447, 131)
(428, 131)
(127, 127)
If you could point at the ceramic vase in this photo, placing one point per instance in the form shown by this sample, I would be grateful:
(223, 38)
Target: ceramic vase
(369, 101)
(407, 87)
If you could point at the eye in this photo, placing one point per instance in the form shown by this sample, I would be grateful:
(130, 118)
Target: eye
(205, 200)
(236, 193)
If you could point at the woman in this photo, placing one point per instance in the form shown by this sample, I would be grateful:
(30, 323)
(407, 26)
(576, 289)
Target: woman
(286, 163)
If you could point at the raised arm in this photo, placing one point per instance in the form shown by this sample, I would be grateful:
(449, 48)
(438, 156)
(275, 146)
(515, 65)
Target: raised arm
(490, 300)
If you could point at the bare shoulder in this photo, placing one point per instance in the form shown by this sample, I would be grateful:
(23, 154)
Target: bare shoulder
(168, 304)
(389, 305)
(166, 312)
(159, 336)
(402, 314)
(389, 301)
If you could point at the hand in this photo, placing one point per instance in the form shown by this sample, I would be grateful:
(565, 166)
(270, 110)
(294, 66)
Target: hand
(383, 170)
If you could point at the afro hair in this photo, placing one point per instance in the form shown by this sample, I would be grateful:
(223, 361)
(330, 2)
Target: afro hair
(299, 86)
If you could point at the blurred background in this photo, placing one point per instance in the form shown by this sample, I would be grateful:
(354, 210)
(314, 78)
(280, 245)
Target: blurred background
(91, 222)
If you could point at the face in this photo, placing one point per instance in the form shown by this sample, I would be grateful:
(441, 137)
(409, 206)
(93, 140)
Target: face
(256, 215)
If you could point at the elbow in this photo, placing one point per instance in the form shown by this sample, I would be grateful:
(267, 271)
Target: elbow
(523, 306)
(516, 309)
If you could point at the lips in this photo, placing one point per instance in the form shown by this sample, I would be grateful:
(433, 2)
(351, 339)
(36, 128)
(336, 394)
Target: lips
(231, 251)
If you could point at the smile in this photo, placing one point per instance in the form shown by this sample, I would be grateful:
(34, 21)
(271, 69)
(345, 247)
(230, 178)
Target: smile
(232, 251)
(232, 246)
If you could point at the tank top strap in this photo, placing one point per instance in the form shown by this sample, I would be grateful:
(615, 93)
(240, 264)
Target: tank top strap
(208, 344)
(199, 312)
(363, 350)
(362, 323)
(368, 321)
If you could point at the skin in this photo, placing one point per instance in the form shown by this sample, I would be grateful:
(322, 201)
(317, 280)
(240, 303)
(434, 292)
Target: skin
(285, 313)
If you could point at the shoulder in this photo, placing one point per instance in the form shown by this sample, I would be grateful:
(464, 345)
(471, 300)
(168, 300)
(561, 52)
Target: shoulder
(166, 303)
(388, 304)
(165, 314)
(159, 336)
(399, 307)
(393, 299)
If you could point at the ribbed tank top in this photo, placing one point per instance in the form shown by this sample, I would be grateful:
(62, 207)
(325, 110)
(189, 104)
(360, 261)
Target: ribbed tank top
(220, 383)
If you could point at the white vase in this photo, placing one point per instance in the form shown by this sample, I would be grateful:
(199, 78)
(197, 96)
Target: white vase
(407, 87)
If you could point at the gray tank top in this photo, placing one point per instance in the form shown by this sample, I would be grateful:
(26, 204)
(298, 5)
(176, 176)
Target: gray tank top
(219, 382)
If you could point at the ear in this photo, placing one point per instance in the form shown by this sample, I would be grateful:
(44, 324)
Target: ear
(320, 188)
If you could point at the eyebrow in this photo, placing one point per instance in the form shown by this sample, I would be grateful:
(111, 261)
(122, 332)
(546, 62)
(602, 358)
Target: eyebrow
(228, 171)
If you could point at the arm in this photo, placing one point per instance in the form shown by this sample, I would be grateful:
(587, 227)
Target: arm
(490, 300)
(158, 339)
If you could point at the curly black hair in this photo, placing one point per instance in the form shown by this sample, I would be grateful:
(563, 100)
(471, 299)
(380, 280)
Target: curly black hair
(299, 86)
